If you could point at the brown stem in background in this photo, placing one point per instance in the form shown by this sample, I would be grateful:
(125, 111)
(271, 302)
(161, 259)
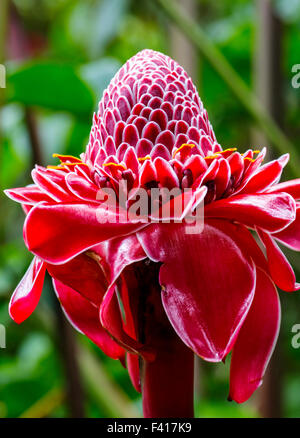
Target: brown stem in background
(168, 380)
(30, 120)
(69, 353)
(66, 336)
(3, 33)
(268, 87)
(182, 50)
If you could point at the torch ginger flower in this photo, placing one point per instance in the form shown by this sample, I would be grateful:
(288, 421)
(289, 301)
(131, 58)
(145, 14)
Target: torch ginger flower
(147, 292)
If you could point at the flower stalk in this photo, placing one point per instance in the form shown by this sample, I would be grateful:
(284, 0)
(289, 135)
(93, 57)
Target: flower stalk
(167, 382)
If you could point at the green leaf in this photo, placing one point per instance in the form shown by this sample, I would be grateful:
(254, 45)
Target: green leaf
(98, 74)
(104, 20)
(107, 20)
(54, 86)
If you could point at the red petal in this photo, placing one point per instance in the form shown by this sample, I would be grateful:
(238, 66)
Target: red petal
(81, 187)
(281, 271)
(290, 236)
(205, 303)
(27, 294)
(133, 366)
(52, 182)
(83, 274)
(147, 173)
(265, 176)
(256, 340)
(291, 187)
(28, 195)
(236, 164)
(271, 212)
(222, 178)
(111, 319)
(57, 233)
(119, 253)
(84, 315)
(165, 173)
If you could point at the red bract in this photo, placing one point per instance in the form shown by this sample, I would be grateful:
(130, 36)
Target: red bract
(151, 291)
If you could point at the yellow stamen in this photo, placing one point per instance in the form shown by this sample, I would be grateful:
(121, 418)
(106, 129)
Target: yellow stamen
(147, 157)
(118, 165)
(74, 164)
(226, 150)
(56, 167)
(183, 146)
(70, 157)
(253, 152)
(208, 157)
(249, 159)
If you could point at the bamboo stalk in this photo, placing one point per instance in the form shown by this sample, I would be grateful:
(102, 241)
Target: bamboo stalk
(45, 405)
(3, 27)
(269, 90)
(105, 391)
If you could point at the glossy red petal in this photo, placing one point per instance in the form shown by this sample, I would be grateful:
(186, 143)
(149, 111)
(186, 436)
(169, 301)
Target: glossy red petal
(265, 176)
(112, 321)
(148, 173)
(245, 240)
(28, 195)
(271, 212)
(84, 316)
(290, 236)
(54, 232)
(27, 294)
(133, 365)
(205, 303)
(52, 182)
(82, 188)
(84, 274)
(281, 271)
(119, 253)
(236, 164)
(291, 187)
(222, 178)
(165, 174)
(256, 340)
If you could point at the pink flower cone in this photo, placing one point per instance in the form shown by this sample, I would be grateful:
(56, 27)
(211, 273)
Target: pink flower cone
(148, 292)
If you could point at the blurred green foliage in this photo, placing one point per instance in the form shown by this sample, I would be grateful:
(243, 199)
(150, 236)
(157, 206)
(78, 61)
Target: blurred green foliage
(74, 49)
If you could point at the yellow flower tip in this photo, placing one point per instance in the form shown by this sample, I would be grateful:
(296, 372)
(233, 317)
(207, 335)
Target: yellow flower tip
(210, 157)
(183, 146)
(56, 167)
(249, 159)
(116, 165)
(226, 150)
(74, 164)
(66, 157)
(147, 157)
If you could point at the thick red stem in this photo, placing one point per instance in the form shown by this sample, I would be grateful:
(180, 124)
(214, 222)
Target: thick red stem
(168, 383)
